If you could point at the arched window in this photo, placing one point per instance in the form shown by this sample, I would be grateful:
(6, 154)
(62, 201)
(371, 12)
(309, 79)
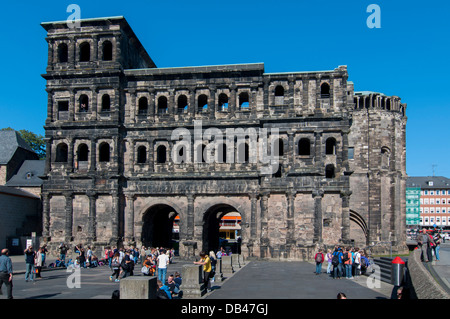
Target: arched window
(82, 153)
(161, 156)
(104, 152)
(106, 102)
(223, 101)
(63, 53)
(107, 51)
(279, 95)
(141, 155)
(329, 171)
(84, 103)
(142, 105)
(61, 153)
(244, 100)
(304, 147)
(85, 52)
(330, 146)
(385, 157)
(202, 103)
(182, 104)
(325, 90)
(162, 105)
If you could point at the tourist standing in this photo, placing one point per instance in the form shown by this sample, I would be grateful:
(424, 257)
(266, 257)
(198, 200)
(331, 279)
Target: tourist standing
(38, 262)
(329, 258)
(6, 273)
(437, 243)
(206, 262)
(163, 262)
(347, 258)
(62, 253)
(319, 258)
(29, 263)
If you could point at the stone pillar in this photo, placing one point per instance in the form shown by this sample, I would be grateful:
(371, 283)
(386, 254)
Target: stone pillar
(115, 218)
(345, 195)
(48, 158)
(91, 236)
(219, 273)
(290, 225)
(129, 218)
(318, 216)
(69, 216)
(263, 224)
(46, 216)
(138, 287)
(192, 285)
(227, 264)
(93, 154)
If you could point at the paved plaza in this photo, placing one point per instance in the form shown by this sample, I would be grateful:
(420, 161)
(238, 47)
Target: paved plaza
(256, 280)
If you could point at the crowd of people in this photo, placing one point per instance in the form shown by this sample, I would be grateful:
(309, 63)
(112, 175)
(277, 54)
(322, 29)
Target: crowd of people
(430, 244)
(342, 262)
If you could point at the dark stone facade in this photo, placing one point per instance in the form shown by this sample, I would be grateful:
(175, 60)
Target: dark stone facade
(113, 174)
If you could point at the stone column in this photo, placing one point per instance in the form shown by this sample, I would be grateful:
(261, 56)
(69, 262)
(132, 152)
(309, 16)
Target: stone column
(129, 218)
(115, 217)
(69, 216)
(212, 102)
(290, 236)
(93, 155)
(70, 153)
(48, 158)
(46, 216)
(318, 215)
(345, 195)
(232, 101)
(91, 236)
(264, 240)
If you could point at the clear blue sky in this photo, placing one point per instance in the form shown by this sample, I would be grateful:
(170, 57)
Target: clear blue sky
(408, 56)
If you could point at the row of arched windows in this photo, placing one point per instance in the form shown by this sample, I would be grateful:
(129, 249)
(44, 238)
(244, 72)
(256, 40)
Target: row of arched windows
(183, 104)
(62, 152)
(84, 52)
(303, 148)
(162, 103)
(84, 105)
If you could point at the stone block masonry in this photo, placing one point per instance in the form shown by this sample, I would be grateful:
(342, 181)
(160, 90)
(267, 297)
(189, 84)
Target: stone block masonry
(116, 175)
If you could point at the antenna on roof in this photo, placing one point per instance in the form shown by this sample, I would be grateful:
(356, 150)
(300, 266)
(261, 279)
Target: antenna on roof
(433, 166)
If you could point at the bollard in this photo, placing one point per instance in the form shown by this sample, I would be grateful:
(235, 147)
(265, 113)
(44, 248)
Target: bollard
(397, 271)
(192, 285)
(138, 287)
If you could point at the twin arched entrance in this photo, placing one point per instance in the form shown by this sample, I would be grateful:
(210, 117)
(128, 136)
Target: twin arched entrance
(221, 228)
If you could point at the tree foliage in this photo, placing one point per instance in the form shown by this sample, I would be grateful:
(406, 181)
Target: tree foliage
(36, 141)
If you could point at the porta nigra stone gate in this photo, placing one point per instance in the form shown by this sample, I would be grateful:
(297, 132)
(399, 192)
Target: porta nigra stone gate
(129, 149)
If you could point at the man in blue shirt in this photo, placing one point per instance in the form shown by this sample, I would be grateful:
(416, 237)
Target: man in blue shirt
(6, 272)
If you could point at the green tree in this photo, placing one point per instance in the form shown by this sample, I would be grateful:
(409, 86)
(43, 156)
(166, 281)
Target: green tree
(36, 141)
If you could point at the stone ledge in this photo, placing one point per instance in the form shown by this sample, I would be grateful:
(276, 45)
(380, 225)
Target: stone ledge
(423, 282)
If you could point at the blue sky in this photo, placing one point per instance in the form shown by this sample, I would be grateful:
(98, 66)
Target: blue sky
(408, 56)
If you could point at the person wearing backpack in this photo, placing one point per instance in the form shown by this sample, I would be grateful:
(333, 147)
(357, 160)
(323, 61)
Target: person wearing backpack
(337, 263)
(347, 259)
(319, 261)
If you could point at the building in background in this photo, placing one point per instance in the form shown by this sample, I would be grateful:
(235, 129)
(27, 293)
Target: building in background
(412, 207)
(434, 201)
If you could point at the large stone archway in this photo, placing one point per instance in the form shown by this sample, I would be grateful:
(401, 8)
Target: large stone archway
(157, 228)
(211, 225)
